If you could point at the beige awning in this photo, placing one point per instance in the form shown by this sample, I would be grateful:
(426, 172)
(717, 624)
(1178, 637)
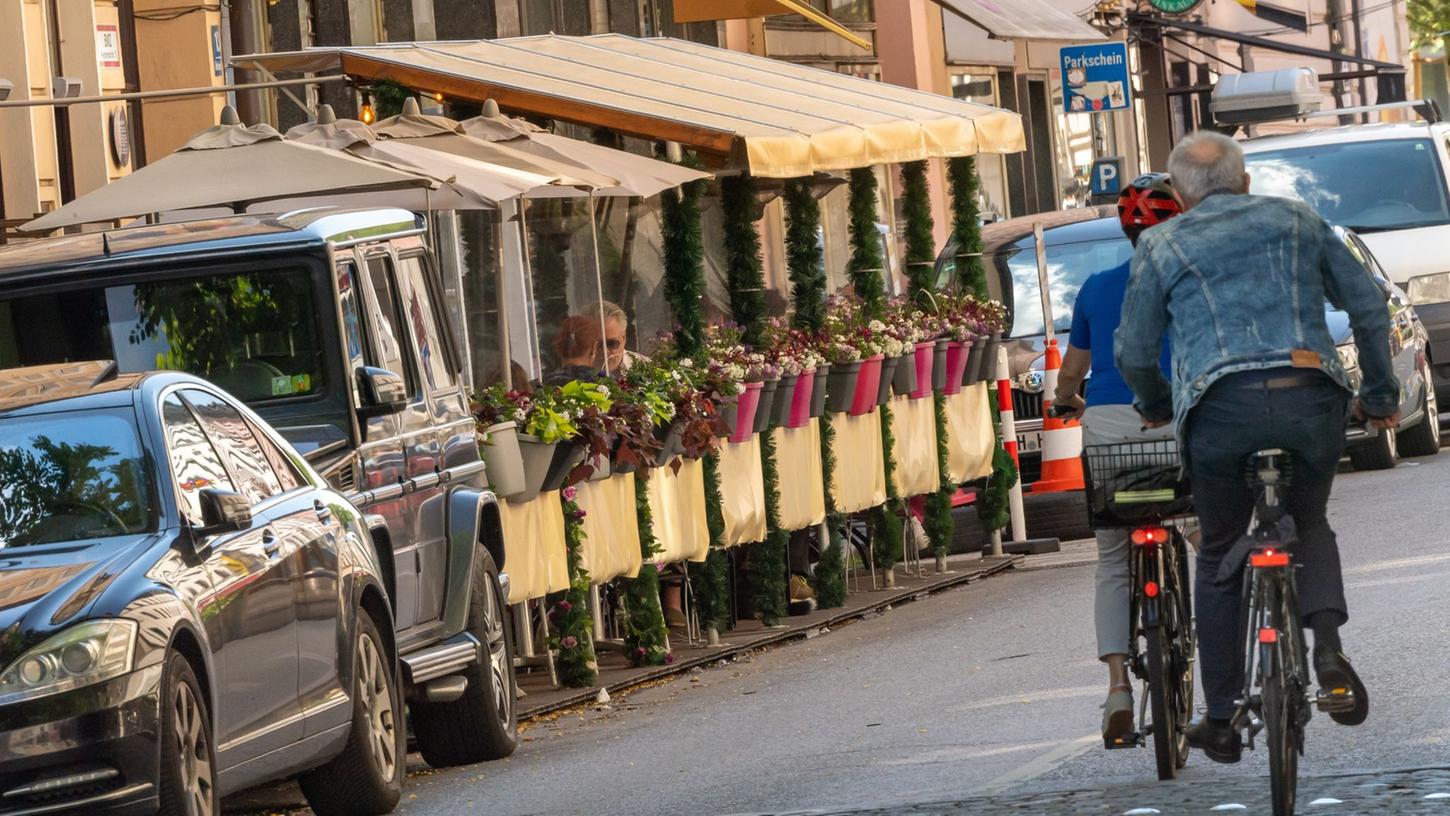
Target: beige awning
(774, 118)
(1023, 20)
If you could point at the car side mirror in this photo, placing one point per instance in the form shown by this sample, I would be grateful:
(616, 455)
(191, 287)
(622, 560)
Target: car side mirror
(223, 511)
(381, 392)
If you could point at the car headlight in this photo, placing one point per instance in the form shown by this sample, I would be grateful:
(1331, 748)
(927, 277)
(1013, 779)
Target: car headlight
(1429, 289)
(87, 653)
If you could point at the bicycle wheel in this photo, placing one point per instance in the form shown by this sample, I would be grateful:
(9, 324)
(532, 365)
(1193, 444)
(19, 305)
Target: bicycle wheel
(1184, 645)
(1276, 684)
(1161, 685)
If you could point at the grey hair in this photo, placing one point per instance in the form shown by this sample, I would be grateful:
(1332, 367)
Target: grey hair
(611, 311)
(1206, 161)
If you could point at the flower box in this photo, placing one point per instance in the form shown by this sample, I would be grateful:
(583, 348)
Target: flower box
(841, 386)
(502, 459)
(903, 381)
(802, 398)
(956, 365)
(925, 355)
(764, 414)
(537, 456)
(818, 391)
(972, 374)
(671, 441)
(784, 401)
(746, 407)
(603, 468)
(567, 456)
(989, 356)
(888, 374)
(868, 384)
(939, 365)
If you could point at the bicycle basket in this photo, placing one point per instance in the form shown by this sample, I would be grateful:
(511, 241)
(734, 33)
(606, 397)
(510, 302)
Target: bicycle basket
(1129, 483)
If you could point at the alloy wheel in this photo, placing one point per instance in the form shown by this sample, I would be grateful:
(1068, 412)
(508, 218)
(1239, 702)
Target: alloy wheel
(377, 696)
(1432, 407)
(498, 661)
(194, 751)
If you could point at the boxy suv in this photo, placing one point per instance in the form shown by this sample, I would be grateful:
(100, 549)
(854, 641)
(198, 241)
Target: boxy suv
(329, 325)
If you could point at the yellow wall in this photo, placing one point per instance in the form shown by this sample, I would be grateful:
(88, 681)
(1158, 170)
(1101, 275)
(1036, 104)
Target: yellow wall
(176, 53)
(27, 135)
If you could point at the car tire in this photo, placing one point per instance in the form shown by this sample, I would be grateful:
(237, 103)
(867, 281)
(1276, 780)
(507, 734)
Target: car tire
(1424, 438)
(1380, 453)
(367, 777)
(187, 778)
(482, 724)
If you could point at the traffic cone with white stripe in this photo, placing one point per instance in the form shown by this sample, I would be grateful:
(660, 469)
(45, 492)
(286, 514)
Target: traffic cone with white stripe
(1061, 438)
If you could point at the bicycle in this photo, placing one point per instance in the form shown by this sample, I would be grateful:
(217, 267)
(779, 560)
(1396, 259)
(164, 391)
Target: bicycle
(1276, 696)
(1138, 486)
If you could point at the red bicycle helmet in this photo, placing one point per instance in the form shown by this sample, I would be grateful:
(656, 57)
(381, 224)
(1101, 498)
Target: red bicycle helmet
(1146, 202)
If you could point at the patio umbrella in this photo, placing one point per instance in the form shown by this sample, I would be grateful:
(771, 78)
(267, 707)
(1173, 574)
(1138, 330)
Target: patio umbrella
(230, 165)
(638, 175)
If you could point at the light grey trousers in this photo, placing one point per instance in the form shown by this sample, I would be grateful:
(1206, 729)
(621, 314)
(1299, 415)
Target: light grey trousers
(1106, 425)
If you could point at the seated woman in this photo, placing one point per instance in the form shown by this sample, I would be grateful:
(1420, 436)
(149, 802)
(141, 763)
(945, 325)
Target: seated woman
(580, 346)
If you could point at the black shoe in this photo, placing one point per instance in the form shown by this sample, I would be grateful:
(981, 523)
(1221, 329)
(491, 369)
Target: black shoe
(1341, 692)
(1220, 743)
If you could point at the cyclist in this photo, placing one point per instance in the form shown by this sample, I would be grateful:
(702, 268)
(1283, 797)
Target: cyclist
(1238, 282)
(1108, 417)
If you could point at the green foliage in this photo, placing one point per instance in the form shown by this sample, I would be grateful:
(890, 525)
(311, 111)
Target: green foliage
(684, 274)
(572, 625)
(867, 267)
(1428, 20)
(829, 580)
(388, 98)
(967, 226)
(886, 520)
(765, 561)
(920, 241)
(710, 579)
(744, 268)
(937, 519)
(805, 260)
(645, 630)
(993, 508)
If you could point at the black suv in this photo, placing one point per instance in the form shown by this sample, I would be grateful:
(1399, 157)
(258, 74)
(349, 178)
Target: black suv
(327, 323)
(186, 608)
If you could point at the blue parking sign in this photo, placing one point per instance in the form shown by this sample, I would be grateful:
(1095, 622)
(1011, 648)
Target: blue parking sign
(1095, 78)
(1107, 176)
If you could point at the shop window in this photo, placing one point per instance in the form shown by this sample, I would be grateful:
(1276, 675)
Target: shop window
(981, 87)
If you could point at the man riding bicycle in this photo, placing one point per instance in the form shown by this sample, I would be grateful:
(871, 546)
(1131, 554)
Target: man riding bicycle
(1108, 417)
(1238, 283)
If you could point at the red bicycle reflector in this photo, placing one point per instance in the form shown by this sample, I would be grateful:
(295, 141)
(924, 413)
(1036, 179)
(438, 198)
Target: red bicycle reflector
(1268, 635)
(1149, 535)
(1269, 558)
(1151, 589)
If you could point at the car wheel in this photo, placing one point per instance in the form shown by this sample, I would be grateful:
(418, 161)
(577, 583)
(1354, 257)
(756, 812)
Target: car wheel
(482, 724)
(1424, 438)
(1380, 453)
(367, 777)
(187, 777)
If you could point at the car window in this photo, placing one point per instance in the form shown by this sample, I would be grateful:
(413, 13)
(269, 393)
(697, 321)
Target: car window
(390, 321)
(282, 464)
(1069, 265)
(252, 333)
(423, 318)
(70, 476)
(195, 463)
(1366, 186)
(232, 434)
(350, 300)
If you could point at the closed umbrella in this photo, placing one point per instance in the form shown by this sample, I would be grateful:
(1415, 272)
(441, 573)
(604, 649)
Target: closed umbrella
(230, 165)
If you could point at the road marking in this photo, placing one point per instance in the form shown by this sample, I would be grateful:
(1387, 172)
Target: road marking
(1397, 563)
(962, 753)
(1406, 579)
(1028, 697)
(1041, 765)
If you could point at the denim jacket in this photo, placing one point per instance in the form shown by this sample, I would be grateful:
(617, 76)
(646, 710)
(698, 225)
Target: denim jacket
(1239, 283)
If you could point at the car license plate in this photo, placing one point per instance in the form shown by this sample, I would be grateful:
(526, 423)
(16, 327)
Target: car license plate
(1029, 442)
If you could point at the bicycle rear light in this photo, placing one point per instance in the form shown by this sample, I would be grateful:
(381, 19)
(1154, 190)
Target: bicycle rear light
(1151, 589)
(1149, 535)
(1269, 558)
(1267, 635)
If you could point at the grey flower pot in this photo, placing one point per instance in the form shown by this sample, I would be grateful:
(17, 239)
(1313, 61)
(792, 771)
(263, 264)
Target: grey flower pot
(939, 365)
(538, 456)
(841, 386)
(503, 461)
(567, 456)
(784, 396)
(888, 374)
(972, 374)
(729, 416)
(765, 413)
(818, 391)
(903, 380)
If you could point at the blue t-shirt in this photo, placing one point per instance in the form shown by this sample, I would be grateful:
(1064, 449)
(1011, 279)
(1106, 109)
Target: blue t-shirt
(1095, 316)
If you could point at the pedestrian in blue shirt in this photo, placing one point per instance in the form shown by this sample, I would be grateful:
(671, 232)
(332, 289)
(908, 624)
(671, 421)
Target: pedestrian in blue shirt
(1108, 417)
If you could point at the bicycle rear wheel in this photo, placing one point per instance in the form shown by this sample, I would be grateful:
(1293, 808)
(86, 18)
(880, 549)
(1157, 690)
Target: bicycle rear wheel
(1281, 720)
(1170, 664)
(1161, 685)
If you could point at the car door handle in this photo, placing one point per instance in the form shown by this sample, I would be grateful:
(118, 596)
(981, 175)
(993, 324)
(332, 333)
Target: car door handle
(323, 511)
(270, 545)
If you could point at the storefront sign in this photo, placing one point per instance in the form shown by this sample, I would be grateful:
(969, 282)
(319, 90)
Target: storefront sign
(108, 46)
(1095, 78)
(216, 50)
(1177, 6)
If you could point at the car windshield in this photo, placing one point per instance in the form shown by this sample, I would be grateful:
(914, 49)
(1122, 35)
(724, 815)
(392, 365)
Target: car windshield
(1069, 265)
(1367, 186)
(72, 476)
(252, 333)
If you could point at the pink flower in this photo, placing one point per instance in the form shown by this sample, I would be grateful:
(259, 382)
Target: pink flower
(669, 657)
(639, 652)
(569, 493)
(565, 606)
(569, 642)
(580, 514)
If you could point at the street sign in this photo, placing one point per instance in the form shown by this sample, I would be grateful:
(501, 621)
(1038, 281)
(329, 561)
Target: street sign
(1095, 78)
(1107, 177)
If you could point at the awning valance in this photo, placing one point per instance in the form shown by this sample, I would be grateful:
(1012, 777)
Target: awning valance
(776, 119)
(1023, 20)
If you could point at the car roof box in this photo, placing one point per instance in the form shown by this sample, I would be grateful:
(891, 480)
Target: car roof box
(1265, 96)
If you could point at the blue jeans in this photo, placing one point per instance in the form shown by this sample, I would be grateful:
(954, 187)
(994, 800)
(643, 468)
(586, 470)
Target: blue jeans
(1241, 414)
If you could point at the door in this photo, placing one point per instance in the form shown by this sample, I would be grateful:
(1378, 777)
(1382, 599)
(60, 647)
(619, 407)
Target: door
(251, 617)
(306, 536)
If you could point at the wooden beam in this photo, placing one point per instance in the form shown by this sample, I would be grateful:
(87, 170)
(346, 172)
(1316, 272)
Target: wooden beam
(548, 106)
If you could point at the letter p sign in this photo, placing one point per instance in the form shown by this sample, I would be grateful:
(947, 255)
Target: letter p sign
(1107, 176)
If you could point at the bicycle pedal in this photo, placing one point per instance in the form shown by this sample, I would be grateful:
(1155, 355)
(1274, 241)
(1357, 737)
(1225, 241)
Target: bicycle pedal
(1133, 740)
(1334, 700)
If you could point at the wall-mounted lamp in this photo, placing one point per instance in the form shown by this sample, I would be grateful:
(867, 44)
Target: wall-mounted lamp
(6, 86)
(65, 87)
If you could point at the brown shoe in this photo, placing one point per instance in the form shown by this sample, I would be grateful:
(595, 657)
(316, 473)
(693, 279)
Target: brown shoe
(1118, 716)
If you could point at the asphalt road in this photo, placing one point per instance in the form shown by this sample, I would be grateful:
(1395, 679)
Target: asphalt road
(992, 690)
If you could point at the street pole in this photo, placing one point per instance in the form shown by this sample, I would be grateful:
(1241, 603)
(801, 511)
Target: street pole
(1041, 245)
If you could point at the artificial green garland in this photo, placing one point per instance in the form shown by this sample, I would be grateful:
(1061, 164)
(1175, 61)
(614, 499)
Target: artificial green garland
(867, 263)
(576, 663)
(829, 580)
(887, 519)
(920, 240)
(744, 269)
(684, 273)
(645, 632)
(710, 580)
(937, 520)
(967, 225)
(765, 563)
(805, 261)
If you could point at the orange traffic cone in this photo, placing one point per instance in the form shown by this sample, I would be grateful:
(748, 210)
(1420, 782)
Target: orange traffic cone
(1061, 438)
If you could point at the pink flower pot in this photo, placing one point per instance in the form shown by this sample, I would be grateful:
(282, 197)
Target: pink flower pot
(800, 401)
(748, 402)
(868, 385)
(924, 354)
(956, 364)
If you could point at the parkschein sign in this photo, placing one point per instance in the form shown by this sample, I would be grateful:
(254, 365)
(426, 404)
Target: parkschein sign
(1095, 78)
